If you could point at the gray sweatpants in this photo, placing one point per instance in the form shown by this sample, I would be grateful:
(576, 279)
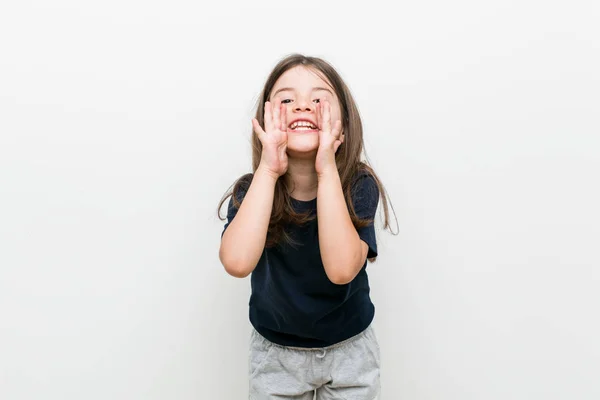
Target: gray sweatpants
(348, 370)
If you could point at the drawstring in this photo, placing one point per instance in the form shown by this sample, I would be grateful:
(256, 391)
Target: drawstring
(322, 355)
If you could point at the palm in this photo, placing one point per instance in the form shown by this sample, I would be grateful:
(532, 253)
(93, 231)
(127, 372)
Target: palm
(273, 138)
(330, 138)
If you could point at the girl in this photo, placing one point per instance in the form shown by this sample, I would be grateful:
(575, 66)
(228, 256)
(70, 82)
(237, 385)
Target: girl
(302, 225)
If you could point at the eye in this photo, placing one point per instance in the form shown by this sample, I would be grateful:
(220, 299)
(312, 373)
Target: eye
(285, 101)
(317, 100)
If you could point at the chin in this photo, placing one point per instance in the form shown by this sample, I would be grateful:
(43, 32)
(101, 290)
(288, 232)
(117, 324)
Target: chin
(303, 145)
(302, 152)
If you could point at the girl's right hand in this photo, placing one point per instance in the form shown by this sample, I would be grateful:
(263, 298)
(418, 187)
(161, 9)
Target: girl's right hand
(274, 158)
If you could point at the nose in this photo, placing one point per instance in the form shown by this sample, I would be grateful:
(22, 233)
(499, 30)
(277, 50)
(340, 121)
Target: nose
(303, 105)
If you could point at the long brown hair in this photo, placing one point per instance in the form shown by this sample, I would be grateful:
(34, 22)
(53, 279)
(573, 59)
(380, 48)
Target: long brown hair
(348, 156)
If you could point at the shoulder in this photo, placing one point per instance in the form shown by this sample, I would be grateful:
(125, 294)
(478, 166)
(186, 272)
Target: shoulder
(364, 193)
(243, 182)
(364, 184)
(245, 179)
(240, 187)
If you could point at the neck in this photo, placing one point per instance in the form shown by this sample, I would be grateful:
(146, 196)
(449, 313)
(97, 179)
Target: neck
(302, 177)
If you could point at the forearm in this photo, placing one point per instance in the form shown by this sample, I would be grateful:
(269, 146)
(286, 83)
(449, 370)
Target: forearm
(340, 245)
(244, 239)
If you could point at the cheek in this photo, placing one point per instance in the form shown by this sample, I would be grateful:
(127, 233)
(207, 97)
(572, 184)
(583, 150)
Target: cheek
(337, 115)
(336, 112)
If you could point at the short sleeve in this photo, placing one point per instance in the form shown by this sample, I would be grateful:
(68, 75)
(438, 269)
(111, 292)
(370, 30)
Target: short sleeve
(365, 199)
(232, 210)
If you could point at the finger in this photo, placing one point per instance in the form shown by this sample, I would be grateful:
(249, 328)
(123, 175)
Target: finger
(268, 117)
(258, 130)
(337, 129)
(283, 118)
(318, 115)
(276, 113)
(336, 145)
(326, 117)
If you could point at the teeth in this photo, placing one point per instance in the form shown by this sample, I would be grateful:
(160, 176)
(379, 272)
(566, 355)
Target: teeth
(303, 124)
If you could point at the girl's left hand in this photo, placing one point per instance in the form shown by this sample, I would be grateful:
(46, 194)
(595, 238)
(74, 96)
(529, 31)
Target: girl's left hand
(330, 139)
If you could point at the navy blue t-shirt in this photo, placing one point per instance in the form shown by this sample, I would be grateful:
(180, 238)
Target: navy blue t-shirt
(293, 302)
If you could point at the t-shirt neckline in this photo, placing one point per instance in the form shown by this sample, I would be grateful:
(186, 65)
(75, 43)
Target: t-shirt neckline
(304, 204)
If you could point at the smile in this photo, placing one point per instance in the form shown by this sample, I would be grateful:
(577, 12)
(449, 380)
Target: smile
(302, 126)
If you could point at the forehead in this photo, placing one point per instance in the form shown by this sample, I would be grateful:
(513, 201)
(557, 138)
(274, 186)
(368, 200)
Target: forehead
(301, 78)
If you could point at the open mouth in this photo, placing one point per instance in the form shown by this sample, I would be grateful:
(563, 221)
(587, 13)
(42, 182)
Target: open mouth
(299, 126)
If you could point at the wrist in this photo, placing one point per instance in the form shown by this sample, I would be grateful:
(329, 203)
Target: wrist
(263, 171)
(328, 173)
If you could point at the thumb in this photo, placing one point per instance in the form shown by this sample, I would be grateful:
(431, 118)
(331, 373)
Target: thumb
(336, 145)
(258, 130)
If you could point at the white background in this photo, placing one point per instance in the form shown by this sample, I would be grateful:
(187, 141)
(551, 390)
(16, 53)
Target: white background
(122, 123)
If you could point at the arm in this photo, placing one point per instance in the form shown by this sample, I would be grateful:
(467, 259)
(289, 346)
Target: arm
(244, 239)
(342, 251)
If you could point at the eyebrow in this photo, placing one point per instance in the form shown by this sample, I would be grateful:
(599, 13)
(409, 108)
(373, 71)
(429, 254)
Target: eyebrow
(292, 89)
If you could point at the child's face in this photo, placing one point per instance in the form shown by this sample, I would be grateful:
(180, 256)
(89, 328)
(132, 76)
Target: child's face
(301, 89)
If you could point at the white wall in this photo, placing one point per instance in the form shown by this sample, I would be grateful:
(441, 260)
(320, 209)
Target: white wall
(123, 122)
